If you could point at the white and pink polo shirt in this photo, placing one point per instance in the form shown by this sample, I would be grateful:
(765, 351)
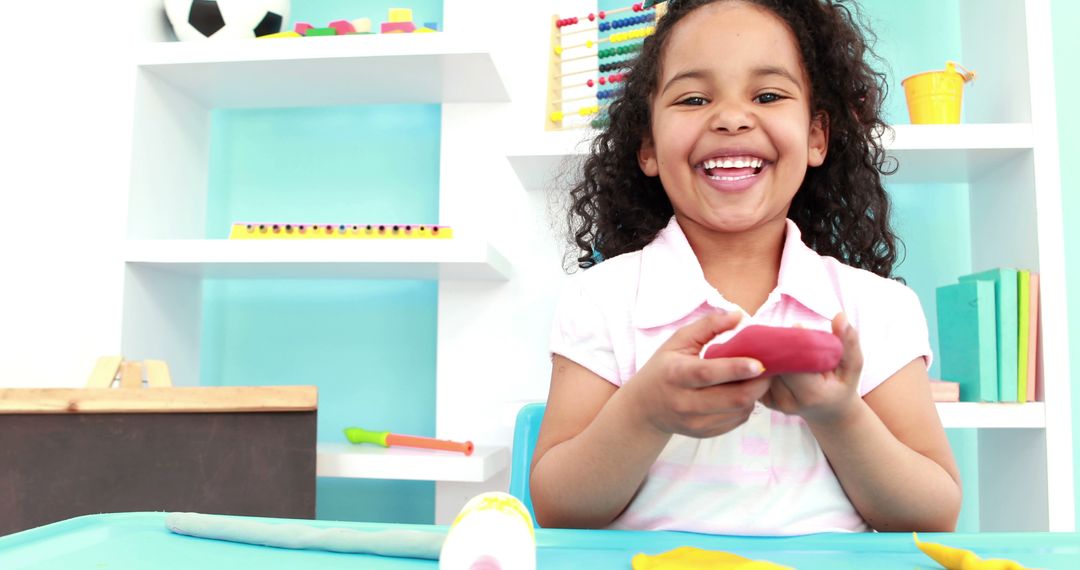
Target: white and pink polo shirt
(769, 475)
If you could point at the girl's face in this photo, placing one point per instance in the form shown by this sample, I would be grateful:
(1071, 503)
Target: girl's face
(732, 134)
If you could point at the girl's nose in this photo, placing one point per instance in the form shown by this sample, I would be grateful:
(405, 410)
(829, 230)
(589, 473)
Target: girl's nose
(731, 119)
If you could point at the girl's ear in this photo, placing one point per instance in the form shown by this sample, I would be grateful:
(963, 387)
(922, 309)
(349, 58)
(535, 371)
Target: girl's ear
(646, 157)
(818, 140)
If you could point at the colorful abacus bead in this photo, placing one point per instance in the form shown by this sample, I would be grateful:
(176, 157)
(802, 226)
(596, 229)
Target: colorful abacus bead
(586, 111)
(608, 94)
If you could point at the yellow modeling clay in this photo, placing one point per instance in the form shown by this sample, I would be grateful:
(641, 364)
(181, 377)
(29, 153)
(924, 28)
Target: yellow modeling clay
(690, 558)
(960, 559)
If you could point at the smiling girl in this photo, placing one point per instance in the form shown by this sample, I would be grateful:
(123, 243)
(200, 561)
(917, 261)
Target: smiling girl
(739, 183)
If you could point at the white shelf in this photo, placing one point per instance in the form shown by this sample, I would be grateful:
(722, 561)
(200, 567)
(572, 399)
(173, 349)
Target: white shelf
(926, 153)
(374, 462)
(942, 154)
(455, 258)
(981, 415)
(539, 161)
(337, 70)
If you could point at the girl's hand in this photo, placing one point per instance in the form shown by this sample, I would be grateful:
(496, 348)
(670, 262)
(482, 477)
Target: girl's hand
(677, 391)
(822, 398)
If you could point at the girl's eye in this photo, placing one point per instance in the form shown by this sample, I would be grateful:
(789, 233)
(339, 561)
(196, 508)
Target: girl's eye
(768, 98)
(694, 101)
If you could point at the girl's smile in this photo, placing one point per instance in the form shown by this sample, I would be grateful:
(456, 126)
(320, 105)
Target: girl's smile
(732, 171)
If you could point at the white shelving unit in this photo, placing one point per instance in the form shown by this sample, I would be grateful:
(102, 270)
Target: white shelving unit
(344, 70)
(166, 256)
(1007, 154)
(957, 415)
(372, 462)
(456, 258)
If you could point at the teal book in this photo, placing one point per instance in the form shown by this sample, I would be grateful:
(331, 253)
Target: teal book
(967, 339)
(1005, 300)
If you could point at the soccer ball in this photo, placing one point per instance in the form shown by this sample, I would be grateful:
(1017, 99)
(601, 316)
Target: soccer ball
(228, 19)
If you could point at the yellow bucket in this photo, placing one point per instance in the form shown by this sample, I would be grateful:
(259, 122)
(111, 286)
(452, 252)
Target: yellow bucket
(934, 97)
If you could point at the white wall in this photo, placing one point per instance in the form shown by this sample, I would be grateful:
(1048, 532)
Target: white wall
(65, 119)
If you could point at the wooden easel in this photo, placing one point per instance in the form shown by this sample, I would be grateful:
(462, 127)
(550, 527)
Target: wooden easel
(129, 373)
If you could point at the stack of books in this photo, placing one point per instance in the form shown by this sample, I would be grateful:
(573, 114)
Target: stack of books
(988, 335)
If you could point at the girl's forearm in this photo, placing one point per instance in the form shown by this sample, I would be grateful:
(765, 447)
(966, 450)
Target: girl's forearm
(586, 481)
(892, 486)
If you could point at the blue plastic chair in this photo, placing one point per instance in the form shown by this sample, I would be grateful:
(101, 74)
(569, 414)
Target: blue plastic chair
(526, 428)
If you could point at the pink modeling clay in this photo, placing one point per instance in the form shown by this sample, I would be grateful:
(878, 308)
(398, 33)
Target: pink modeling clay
(783, 350)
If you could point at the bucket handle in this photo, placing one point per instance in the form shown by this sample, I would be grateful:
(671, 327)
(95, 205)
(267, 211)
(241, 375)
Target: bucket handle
(964, 72)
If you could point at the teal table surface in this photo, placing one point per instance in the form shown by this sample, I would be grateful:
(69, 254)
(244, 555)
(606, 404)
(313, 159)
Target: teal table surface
(125, 541)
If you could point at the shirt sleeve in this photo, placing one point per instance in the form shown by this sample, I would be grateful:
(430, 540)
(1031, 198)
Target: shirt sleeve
(580, 331)
(894, 334)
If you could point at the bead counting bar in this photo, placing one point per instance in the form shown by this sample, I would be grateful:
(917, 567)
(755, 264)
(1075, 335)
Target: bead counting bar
(582, 101)
(338, 231)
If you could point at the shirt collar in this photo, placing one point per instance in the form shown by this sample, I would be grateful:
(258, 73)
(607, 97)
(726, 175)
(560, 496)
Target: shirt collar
(671, 284)
(805, 277)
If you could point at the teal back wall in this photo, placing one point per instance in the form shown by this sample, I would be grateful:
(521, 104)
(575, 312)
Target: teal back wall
(321, 12)
(368, 345)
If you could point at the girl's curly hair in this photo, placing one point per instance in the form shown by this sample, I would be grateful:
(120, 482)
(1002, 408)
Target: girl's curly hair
(841, 208)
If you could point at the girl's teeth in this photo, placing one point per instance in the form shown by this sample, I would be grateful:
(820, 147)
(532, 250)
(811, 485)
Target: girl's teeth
(740, 162)
(731, 178)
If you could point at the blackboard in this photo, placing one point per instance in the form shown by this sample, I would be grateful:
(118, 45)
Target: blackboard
(57, 466)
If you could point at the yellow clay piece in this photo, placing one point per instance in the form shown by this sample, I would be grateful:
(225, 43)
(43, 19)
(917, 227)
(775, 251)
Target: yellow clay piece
(690, 558)
(960, 559)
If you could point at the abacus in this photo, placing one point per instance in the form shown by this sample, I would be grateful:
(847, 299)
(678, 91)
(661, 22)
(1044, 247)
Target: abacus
(242, 230)
(577, 50)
